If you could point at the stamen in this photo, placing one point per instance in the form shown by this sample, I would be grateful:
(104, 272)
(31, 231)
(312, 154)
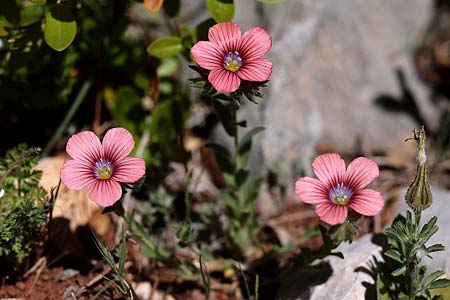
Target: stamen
(103, 169)
(340, 194)
(232, 61)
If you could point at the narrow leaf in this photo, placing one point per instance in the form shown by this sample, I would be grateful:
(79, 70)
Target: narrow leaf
(123, 252)
(440, 283)
(399, 271)
(395, 255)
(432, 277)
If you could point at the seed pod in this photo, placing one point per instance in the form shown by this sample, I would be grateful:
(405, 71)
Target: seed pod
(418, 196)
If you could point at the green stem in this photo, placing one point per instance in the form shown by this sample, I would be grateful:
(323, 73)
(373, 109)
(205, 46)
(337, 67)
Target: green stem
(65, 122)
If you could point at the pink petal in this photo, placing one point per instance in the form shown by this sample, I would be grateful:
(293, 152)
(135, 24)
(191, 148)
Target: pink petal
(330, 169)
(360, 172)
(105, 192)
(332, 213)
(84, 146)
(208, 55)
(311, 190)
(117, 144)
(224, 32)
(224, 80)
(76, 174)
(129, 169)
(254, 43)
(367, 202)
(258, 69)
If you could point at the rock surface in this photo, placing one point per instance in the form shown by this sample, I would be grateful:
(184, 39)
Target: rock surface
(335, 80)
(348, 278)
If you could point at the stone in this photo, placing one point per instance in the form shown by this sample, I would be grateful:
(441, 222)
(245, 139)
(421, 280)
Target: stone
(335, 81)
(348, 278)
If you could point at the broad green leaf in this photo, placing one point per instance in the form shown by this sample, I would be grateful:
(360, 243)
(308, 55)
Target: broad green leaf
(221, 10)
(60, 27)
(165, 47)
(10, 10)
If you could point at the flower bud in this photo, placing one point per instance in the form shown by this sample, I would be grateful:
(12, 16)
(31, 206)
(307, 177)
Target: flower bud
(418, 196)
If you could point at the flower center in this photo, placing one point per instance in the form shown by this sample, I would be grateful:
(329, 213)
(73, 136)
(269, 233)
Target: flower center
(232, 61)
(103, 169)
(340, 194)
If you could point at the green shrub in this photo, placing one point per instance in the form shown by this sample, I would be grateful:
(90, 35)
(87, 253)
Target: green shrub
(23, 206)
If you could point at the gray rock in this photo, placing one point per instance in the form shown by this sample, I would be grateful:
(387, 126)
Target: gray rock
(333, 77)
(348, 278)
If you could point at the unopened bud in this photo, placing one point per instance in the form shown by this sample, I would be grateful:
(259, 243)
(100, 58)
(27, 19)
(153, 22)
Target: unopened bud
(418, 196)
(2, 192)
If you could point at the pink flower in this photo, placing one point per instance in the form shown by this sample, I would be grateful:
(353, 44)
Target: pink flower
(101, 167)
(231, 56)
(338, 188)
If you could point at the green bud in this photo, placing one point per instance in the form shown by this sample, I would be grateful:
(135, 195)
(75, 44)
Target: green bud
(418, 196)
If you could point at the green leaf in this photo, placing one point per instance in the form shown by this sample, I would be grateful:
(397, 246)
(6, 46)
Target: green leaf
(231, 203)
(38, 2)
(399, 271)
(435, 248)
(382, 290)
(440, 283)
(245, 146)
(223, 157)
(225, 117)
(126, 108)
(202, 29)
(60, 27)
(165, 47)
(221, 10)
(394, 254)
(344, 232)
(172, 8)
(10, 10)
(251, 190)
(432, 277)
(123, 252)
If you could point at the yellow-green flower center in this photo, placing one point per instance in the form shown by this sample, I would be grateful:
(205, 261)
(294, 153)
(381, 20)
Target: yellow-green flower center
(232, 61)
(340, 194)
(103, 169)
